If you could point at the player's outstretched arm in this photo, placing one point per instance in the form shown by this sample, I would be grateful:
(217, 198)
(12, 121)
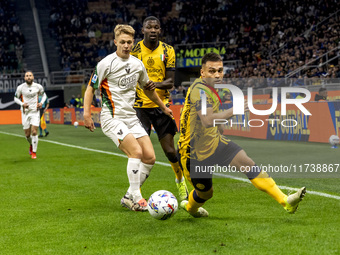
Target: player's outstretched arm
(87, 108)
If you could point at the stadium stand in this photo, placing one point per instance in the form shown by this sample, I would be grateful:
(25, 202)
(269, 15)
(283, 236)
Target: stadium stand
(270, 39)
(12, 41)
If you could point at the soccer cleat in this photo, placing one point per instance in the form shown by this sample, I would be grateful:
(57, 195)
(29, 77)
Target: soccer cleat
(131, 205)
(46, 134)
(127, 202)
(292, 201)
(34, 155)
(182, 189)
(40, 135)
(31, 149)
(142, 205)
(201, 212)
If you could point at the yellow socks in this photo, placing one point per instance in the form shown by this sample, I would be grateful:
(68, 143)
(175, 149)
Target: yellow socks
(269, 186)
(262, 181)
(194, 202)
(177, 170)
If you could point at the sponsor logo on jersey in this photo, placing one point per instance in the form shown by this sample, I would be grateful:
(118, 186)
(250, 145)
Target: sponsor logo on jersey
(154, 70)
(127, 81)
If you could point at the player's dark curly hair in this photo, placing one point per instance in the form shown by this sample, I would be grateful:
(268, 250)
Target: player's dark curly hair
(211, 56)
(151, 18)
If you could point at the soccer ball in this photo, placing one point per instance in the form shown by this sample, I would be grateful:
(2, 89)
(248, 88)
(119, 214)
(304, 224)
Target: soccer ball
(75, 124)
(334, 140)
(162, 205)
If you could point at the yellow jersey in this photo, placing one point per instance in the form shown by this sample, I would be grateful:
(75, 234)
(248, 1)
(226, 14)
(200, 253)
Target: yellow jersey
(156, 62)
(196, 141)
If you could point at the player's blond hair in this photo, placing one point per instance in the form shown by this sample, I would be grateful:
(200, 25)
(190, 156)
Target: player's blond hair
(124, 29)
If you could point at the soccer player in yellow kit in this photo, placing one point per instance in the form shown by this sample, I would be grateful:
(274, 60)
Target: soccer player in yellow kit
(202, 145)
(159, 60)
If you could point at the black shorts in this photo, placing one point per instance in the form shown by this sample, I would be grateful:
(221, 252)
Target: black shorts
(200, 176)
(162, 123)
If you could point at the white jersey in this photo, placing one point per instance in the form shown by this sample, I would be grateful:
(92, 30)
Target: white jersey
(29, 94)
(117, 79)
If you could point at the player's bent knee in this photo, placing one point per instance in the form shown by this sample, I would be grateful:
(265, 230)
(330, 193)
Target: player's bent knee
(171, 156)
(206, 195)
(241, 160)
(149, 159)
(133, 151)
(136, 154)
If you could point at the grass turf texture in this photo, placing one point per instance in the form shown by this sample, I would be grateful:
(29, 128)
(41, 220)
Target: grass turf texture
(67, 201)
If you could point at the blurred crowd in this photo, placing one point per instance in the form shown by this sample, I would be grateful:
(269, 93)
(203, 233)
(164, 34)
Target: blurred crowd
(12, 41)
(270, 38)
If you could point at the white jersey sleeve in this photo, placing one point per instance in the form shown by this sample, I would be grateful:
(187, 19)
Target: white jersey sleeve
(41, 90)
(18, 92)
(17, 95)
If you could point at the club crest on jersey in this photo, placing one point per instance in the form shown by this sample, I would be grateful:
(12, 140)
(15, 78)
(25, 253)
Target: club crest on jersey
(127, 68)
(150, 61)
(94, 78)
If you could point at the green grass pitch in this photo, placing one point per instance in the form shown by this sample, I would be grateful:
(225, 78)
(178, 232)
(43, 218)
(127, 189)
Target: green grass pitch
(67, 201)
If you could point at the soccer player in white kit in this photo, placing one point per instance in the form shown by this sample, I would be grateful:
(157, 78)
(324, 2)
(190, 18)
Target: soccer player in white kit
(27, 95)
(116, 76)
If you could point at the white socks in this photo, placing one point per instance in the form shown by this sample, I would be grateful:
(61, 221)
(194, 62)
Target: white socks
(34, 143)
(133, 174)
(137, 173)
(145, 170)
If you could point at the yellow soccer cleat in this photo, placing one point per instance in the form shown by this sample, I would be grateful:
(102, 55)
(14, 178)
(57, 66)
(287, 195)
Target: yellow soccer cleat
(182, 189)
(292, 201)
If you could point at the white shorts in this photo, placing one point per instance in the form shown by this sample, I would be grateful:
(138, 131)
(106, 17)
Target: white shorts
(116, 129)
(30, 118)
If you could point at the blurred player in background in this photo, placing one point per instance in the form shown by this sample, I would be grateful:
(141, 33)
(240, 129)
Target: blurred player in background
(116, 76)
(201, 144)
(26, 96)
(43, 109)
(159, 60)
(321, 96)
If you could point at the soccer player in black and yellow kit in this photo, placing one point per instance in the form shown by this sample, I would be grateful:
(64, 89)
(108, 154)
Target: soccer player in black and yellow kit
(201, 144)
(159, 60)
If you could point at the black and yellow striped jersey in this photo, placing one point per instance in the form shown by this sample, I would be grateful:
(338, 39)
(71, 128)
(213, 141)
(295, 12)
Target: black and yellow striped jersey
(156, 62)
(197, 141)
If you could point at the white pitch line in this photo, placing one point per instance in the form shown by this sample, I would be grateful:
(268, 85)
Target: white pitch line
(167, 164)
(282, 187)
